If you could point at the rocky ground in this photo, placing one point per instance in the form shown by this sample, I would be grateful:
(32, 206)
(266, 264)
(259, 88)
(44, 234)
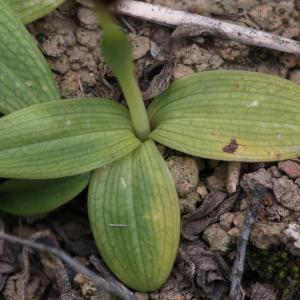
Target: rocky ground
(211, 217)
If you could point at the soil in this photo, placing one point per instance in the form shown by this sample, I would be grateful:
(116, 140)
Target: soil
(212, 218)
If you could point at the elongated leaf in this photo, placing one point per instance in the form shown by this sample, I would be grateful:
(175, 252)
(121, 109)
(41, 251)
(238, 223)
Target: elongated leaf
(63, 138)
(31, 197)
(230, 115)
(30, 10)
(25, 77)
(134, 214)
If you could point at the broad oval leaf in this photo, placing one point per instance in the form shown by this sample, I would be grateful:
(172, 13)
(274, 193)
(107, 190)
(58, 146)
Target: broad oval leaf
(30, 10)
(25, 77)
(64, 138)
(229, 115)
(134, 214)
(32, 197)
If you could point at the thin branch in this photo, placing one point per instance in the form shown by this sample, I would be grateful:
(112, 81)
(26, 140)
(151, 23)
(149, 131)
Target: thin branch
(233, 175)
(118, 291)
(174, 18)
(236, 290)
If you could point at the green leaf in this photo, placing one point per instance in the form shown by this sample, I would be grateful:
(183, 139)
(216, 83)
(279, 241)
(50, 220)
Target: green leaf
(134, 214)
(63, 138)
(30, 10)
(229, 115)
(31, 197)
(25, 77)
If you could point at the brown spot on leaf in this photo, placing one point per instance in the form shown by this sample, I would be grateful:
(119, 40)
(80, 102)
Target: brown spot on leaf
(231, 147)
(236, 87)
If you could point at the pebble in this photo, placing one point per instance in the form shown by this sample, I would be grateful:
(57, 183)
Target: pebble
(140, 45)
(290, 168)
(265, 17)
(54, 46)
(202, 190)
(87, 18)
(226, 221)
(185, 173)
(88, 38)
(182, 71)
(292, 238)
(266, 234)
(217, 238)
(287, 193)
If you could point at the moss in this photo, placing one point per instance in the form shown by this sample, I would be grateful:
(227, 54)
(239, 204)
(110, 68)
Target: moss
(278, 267)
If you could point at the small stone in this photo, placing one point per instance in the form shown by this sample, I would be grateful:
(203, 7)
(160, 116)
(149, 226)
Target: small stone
(217, 238)
(287, 193)
(87, 18)
(239, 219)
(88, 38)
(78, 54)
(290, 168)
(266, 234)
(291, 32)
(194, 55)
(234, 234)
(54, 46)
(140, 45)
(74, 83)
(182, 71)
(265, 17)
(292, 238)
(202, 190)
(261, 176)
(276, 212)
(185, 173)
(262, 291)
(244, 204)
(60, 65)
(88, 289)
(189, 203)
(226, 221)
(230, 50)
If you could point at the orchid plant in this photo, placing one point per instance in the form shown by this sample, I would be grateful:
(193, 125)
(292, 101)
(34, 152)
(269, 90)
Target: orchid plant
(50, 149)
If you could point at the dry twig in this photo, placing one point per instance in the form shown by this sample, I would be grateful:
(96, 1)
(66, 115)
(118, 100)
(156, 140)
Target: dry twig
(174, 18)
(236, 290)
(233, 175)
(118, 291)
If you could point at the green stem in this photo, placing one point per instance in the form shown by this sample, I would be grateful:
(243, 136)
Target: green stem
(117, 52)
(136, 107)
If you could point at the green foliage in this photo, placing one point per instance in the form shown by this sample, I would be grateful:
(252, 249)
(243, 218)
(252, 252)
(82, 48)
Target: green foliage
(229, 115)
(25, 77)
(31, 197)
(65, 138)
(136, 217)
(30, 10)
(133, 206)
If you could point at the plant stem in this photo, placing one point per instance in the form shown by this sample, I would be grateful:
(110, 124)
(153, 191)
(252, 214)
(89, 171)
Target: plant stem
(136, 107)
(117, 52)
